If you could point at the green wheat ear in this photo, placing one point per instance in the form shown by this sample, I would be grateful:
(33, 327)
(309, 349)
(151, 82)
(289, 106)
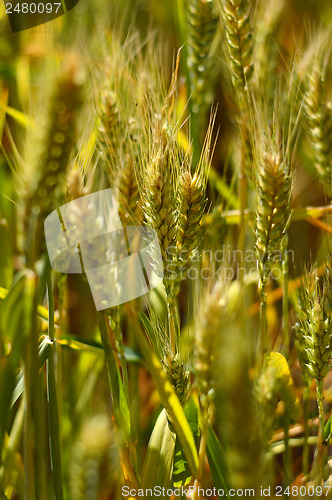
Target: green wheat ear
(94, 467)
(266, 50)
(319, 124)
(224, 359)
(314, 327)
(273, 208)
(172, 360)
(191, 202)
(202, 25)
(128, 193)
(109, 132)
(238, 29)
(50, 171)
(160, 180)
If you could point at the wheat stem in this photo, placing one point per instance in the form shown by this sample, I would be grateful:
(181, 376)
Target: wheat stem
(320, 454)
(130, 449)
(306, 408)
(285, 292)
(263, 324)
(34, 428)
(116, 327)
(287, 459)
(53, 414)
(201, 458)
(172, 323)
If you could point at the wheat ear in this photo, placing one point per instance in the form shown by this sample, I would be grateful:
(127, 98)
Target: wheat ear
(50, 171)
(238, 29)
(266, 49)
(273, 209)
(319, 124)
(128, 193)
(109, 134)
(272, 219)
(233, 387)
(314, 340)
(95, 457)
(202, 24)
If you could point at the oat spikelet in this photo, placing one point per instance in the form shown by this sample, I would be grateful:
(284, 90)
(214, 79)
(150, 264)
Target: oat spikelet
(319, 124)
(202, 24)
(239, 42)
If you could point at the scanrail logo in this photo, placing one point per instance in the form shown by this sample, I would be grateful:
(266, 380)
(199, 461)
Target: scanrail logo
(24, 15)
(86, 236)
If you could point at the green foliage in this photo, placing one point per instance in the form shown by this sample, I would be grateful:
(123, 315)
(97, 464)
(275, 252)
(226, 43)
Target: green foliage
(158, 463)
